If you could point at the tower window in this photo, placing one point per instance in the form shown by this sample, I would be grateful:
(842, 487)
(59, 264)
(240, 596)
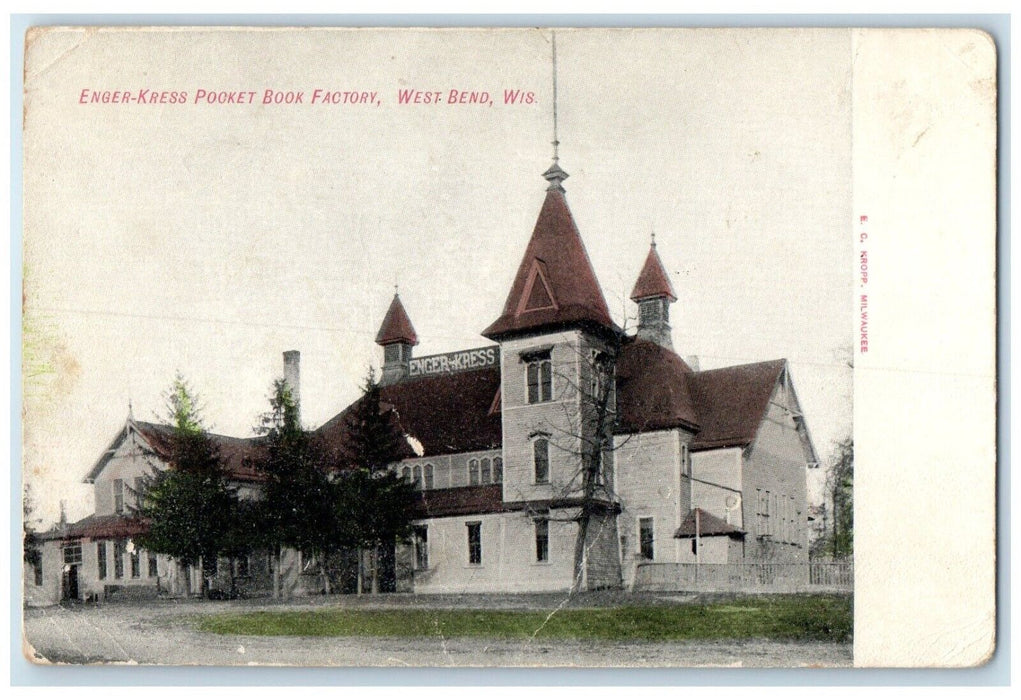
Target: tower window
(473, 472)
(498, 470)
(539, 373)
(428, 475)
(417, 471)
(487, 471)
(540, 456)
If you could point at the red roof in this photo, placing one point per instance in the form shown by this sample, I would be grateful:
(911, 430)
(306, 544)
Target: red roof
(236, 454)
(652, 389)
(555, 285)
(446, 413)
(656, 390)
(396, 326)
(708, 526)
(466, 500)
(653, 280)
(98, 527)
(731, 402)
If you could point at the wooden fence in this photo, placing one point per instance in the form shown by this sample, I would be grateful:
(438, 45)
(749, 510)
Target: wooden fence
(758, 577)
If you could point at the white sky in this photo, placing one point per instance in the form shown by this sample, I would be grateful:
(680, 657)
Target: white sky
(209, 239)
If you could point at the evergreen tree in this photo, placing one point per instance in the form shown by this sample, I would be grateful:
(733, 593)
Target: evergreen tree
(299, 508)
(190, 506)
(376, 502)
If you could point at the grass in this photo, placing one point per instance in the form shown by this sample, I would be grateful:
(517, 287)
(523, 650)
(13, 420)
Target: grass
(815, 617)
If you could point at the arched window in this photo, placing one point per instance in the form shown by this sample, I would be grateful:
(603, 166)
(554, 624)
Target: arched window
(406, 473)
(540, 457)
(498, 470)
(418, 476)
(428, 476)
(473, 472)
(487, 474)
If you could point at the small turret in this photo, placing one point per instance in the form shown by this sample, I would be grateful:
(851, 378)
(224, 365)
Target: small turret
(653, 293)
(397, 336)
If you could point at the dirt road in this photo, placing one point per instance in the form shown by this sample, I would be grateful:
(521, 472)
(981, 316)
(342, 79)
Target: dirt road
(160, 633)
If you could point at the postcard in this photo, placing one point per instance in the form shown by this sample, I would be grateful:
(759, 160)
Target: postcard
(509, 347)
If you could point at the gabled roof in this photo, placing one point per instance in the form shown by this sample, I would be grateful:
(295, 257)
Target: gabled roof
(446, 413)
(708, 526)
(653, 280)
(236, 454)
(657, 390)
(396, 326)
(731, 402)
(652, 389)
(555, 286)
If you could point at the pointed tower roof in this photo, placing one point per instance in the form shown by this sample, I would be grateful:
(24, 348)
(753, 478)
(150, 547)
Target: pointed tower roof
(653, 280)
(555, 285)
(396, 326)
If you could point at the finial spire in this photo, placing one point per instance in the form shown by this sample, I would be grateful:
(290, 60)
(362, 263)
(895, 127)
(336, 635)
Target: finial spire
(653, 236)
(131, 411)
(556, 141)
(555, 175)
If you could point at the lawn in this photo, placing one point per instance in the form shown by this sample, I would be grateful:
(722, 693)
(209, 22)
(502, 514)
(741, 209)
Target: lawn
(814, 617)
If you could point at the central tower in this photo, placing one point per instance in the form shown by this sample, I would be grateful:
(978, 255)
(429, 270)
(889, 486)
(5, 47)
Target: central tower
(557, 341)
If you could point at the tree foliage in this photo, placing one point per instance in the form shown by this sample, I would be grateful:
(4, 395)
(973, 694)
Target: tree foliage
(299, 507)
(836, 528)
(377, 504)
(192, 510)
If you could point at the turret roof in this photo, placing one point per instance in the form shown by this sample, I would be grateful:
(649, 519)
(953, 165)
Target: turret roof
(653, 281)
(555, 285)
(396, 327)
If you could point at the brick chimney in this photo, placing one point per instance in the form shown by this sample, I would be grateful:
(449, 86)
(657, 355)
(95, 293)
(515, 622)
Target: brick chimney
(292, 376)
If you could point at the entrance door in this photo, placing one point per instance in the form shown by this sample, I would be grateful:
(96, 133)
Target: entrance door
(70, 583)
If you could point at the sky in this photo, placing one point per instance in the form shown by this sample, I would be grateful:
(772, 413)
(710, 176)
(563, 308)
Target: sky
(207, 239)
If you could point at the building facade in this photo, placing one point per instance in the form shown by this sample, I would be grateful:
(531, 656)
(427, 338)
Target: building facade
(565, 424)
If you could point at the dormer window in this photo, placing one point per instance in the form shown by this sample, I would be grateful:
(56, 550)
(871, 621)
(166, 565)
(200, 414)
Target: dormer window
(539, 376)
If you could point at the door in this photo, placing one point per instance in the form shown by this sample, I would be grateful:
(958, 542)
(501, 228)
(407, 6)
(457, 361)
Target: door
(70, 583)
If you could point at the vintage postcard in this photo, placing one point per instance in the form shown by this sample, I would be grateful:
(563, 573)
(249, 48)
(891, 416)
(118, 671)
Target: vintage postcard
(509, 347)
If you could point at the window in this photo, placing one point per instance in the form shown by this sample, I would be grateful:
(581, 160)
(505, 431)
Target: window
(474, 543)
(73, 552)
(244, 566)
(101, 559)
(118, 559)
(136, 568)
(417, 471)
(485, 471)
(540, 452)
(428, 471)
(539, 372)
(646, 538)
(139, 488)
(38, 571)
(307, 563)
(406, 473)
(542, 540)
(421, 537)
(153, 569)
(118, 495)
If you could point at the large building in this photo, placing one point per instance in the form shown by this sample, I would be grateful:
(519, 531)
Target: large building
(566, 421)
